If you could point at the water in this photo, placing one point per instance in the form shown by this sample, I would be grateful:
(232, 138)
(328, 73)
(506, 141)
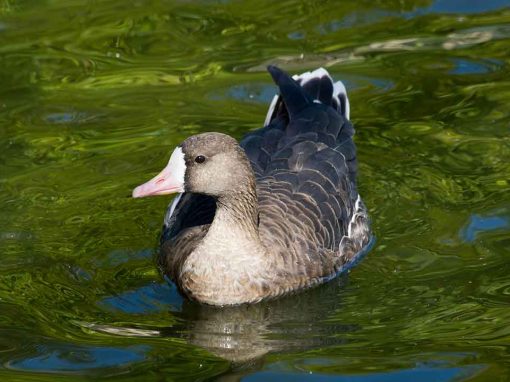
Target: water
(96, 94)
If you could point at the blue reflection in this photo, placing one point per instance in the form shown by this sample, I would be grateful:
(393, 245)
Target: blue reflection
(75, 358)
(479, 224)
(417, 374)
(382, 84)
(466, 6)
(355, 82)
(253, 92)
(264, 93)
(463, 66)
(152, 298)
(122, 256)
(68, 117)
(357, 19)
(459, 7)
(296, 35)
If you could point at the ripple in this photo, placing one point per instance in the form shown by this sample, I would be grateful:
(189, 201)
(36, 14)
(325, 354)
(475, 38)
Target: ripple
(122, 256)
(424, 372)
(73, 358)
(297, 35)
(355, 19)
(497, 292)
(147, 299)
(460, 39)
(17, 236)
(465, 66)
(466, 6)
(302, 62)
(480, 224)
(68, 117)
(119, 330)
(260, 93)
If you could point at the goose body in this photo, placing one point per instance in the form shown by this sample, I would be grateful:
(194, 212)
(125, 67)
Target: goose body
(275, 213)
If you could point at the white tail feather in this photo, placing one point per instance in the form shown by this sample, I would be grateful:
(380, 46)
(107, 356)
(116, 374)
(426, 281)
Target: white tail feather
(339, 93)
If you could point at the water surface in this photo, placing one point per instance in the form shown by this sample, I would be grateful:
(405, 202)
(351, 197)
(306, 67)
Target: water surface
(95, 95)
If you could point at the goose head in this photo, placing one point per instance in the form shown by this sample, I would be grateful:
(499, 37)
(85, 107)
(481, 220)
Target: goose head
(210, 163)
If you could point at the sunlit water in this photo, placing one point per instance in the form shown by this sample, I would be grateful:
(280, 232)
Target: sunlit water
(95, 95)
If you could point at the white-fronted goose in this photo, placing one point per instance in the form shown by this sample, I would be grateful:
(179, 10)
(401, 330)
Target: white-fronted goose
(277, 212)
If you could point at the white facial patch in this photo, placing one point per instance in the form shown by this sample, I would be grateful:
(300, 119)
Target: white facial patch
(177, 164)
(168, 181)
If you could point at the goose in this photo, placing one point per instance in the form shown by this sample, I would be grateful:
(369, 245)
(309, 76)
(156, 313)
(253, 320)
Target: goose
(275, 213)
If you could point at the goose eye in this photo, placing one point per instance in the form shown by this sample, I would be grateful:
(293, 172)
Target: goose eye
(200, 159)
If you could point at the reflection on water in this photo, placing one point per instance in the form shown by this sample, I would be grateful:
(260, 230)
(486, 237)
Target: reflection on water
(420, 373)
(479, 224)
(94, 97)
(147, 299)
(244, 333)
(68, 358)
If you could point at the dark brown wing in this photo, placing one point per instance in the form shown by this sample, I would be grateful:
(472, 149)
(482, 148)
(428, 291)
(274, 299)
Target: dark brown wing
(305, 161)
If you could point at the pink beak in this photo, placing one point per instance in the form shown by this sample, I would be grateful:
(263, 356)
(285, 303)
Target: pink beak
(168, 181)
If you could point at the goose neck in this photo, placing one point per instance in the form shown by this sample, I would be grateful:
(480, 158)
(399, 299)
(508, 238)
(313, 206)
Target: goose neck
(238, 210)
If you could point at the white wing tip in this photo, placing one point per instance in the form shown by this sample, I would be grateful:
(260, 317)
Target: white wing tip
(339, 92)
(272, 105)
(307, 76)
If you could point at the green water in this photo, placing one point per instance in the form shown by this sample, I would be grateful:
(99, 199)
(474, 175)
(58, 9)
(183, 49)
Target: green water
(94, 95)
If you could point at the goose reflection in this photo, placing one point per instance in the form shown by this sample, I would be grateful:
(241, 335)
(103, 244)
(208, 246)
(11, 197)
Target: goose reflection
(245, 333)
(240, 334)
